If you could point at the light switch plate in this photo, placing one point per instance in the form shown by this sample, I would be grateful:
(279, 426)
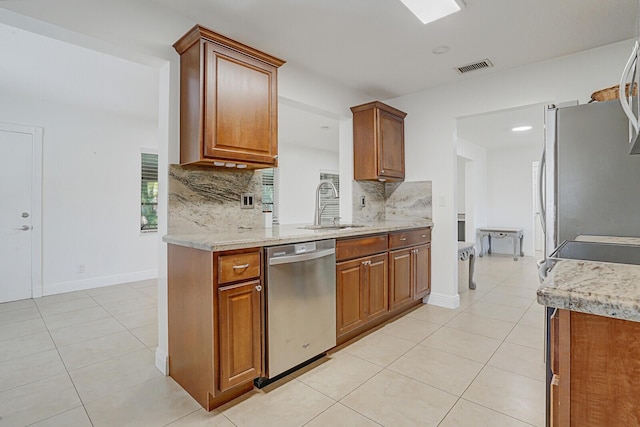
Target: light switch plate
(246, 200)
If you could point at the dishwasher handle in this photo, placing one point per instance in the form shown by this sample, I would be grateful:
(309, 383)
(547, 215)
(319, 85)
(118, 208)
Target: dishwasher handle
(302, 257)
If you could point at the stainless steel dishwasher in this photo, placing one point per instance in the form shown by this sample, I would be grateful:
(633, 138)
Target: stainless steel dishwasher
(301, 303)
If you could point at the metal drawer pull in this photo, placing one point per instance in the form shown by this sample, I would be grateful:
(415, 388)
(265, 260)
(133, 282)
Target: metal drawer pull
(259, 288)
(402, 239)
(424, 235)
(239, 267)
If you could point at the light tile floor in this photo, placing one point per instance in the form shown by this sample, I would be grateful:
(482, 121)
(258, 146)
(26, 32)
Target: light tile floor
(87, 358)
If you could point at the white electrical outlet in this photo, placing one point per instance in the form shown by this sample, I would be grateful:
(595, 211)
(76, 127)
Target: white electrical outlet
(246, 201)
(442, 200)
(81, 268)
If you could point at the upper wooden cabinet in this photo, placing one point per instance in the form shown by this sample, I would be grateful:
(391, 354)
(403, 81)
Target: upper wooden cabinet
(378, 142)
(228, 102)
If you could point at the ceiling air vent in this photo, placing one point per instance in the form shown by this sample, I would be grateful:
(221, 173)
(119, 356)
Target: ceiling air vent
(485, 63)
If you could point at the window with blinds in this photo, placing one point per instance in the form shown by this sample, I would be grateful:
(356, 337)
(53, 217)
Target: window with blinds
(149, 192)
(269, 192)
(332, 209)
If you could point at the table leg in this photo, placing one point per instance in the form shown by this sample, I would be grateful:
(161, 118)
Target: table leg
(521, 250)
(472, 261)
(481, 241)
(489, 239)
(515, 248)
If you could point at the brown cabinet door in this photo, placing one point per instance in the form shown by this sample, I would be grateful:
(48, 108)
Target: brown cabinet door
(376, 286)
(240, 112)
(390, 145)
(400, 276)
(350, 312)
(422, 271)
(239, 334)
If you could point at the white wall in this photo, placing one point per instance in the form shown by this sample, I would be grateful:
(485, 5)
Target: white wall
(430, 134)
(461, 183)
(510, 194)
(91, 194)
(97, 112)
(475, 186)
(298, 176)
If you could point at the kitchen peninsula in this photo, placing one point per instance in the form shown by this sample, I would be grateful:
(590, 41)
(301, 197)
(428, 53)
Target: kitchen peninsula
(217, 331)
(594, 347)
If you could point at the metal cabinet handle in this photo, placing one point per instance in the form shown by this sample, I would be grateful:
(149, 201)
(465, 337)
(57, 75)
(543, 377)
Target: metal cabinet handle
(402, 239)
(239, 267)
(23, 228)
(423, 236)
(258, 288)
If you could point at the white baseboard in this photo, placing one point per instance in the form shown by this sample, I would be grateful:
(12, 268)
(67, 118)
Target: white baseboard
(97, 282)
(162, 361)
(441, 300)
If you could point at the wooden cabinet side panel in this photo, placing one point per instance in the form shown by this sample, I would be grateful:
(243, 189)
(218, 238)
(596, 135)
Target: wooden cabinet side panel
(349, 305)
(190, 320)
(377, 297)
(422, 271)
(390, 145)
(605, 371)
(191, 104)
(364, 145)
(399, 278)
(239, 334)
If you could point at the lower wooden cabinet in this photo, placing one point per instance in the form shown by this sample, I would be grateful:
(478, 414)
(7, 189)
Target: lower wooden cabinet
(215, 312)
(422, 265)
(409, 275)
(401, 277)
(595, 363)
(362, 291)
(239, 314)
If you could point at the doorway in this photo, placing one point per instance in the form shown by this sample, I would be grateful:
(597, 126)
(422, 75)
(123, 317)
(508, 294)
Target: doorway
(20, 212)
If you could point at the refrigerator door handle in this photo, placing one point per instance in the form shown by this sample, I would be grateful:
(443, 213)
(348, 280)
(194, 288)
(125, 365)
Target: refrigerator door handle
(626, 100)
(543, 211)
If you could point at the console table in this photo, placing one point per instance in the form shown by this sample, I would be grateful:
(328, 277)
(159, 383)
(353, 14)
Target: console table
(467, 251)
(501, 232)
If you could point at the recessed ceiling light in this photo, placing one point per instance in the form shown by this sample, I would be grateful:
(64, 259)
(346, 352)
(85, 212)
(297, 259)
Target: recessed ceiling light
(429, 11)
(440, 50)
(521, 128)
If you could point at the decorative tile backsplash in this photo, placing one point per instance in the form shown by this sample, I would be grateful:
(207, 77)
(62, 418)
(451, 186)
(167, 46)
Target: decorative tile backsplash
(205, 199)
(208, 199)
(392, 201)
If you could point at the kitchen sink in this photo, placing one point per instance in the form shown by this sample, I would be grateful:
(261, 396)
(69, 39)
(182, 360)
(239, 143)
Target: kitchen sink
(332, 226)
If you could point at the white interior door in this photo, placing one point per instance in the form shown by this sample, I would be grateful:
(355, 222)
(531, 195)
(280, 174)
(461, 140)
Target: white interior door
(16, 214)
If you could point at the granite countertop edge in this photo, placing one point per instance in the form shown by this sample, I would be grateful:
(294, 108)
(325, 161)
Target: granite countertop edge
(280, 234)
(599, 288)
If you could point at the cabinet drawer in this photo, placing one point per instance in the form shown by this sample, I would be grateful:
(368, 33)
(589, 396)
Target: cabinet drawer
(242, 266)
(360, 246)
(409, 238)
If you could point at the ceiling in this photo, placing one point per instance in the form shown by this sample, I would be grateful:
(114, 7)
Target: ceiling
(493, 130)
(375, 46)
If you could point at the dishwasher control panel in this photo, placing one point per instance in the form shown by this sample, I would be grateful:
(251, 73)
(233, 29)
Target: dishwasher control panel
(301, 248)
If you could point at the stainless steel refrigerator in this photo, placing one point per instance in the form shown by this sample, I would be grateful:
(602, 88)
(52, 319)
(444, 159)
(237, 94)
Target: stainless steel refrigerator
(590, 182)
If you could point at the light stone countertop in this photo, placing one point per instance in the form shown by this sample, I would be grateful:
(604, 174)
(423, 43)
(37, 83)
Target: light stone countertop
(601, 288)
(281, 234)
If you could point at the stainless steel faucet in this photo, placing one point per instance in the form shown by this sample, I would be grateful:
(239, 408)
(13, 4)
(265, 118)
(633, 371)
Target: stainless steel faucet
(319, 209)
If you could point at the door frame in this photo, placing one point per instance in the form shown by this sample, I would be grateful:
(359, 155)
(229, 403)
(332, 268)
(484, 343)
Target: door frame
(36, 202)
